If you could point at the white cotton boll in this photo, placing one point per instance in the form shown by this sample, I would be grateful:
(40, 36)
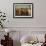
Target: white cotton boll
(7, 30)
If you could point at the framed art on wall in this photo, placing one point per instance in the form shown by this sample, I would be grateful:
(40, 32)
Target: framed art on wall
(22, 10)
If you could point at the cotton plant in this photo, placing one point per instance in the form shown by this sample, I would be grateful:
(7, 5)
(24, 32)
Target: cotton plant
(2, 18)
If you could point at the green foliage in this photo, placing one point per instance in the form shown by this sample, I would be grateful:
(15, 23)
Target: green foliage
(2, 18)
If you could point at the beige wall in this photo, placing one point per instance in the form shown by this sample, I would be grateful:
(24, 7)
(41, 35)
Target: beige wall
(39, 13)
(38, 23)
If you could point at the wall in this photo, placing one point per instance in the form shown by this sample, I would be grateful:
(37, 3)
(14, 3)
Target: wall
(39, 13)
(25, 25)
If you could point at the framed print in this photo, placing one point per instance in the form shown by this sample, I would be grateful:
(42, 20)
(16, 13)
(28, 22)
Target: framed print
(22, 10)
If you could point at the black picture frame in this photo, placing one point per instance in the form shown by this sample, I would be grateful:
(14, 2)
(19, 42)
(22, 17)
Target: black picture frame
(22, 10)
